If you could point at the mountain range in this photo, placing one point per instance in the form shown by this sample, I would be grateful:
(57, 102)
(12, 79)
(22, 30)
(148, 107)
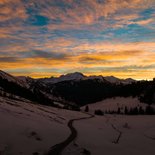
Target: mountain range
(74, 89)
(79, 76)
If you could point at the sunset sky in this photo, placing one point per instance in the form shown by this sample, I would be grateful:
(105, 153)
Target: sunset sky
(41, 38)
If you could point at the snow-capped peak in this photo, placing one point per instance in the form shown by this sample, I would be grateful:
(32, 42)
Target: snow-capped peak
(72, 76)
(116, 80)
(66, 77)
(128, 81)
(112, 79)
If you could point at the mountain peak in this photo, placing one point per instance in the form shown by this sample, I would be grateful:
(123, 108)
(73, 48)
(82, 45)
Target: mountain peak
(7, 76)
(112, 79)
(11, 78)
(72, 76)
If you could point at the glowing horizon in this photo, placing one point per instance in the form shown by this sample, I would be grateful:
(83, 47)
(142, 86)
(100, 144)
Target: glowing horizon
(94, 37)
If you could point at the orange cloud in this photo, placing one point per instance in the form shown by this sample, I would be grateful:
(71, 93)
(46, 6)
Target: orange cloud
(11, 10)
(38, 48)
(89, 11)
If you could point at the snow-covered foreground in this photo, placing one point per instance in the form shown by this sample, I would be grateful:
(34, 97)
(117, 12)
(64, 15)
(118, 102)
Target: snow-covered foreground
(100, 134)
(117, 134)
(27, 129)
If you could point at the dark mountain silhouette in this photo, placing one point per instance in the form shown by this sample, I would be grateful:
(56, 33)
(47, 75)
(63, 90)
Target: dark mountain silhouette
(75, 88)
(12, 87)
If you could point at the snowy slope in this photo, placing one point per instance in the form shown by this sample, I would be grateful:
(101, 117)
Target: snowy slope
(99, 135)
(115, 134)
(30, 129)
(113, 104)
(71, 76)
(26, 80)
(112, 79)
(27, 128)
(10, 78)
(128, 81)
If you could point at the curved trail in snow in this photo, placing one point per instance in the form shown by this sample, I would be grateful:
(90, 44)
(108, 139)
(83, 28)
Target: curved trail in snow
(58, 148)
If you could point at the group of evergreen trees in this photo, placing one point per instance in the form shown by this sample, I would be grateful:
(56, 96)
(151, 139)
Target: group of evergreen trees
(149, 110)
(99, 112)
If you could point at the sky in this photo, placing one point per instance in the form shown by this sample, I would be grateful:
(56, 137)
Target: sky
(43, 38)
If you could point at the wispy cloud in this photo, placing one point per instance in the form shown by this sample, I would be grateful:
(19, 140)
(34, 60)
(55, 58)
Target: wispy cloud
(59, 36)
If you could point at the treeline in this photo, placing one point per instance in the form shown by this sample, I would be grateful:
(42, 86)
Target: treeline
(148, 110)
